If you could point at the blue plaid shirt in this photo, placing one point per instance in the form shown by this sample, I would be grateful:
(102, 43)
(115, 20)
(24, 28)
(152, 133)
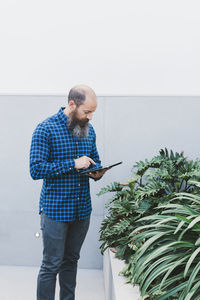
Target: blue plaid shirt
(65, 194)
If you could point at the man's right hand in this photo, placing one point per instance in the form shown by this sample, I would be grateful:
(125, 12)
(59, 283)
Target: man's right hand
(83, 162)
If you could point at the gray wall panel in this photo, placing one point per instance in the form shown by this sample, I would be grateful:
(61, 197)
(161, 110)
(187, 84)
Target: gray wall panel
(138, 127)
(128, 129)
(19, 194)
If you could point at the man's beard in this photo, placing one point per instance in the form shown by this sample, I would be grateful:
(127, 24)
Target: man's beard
(78, 128)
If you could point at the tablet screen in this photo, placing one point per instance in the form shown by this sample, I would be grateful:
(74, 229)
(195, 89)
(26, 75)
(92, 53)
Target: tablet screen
(93, 170)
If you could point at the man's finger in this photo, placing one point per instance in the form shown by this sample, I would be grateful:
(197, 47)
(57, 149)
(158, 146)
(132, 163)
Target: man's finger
(91, 160)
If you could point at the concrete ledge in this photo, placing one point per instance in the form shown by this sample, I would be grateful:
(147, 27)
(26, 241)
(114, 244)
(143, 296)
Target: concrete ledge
(116, 287)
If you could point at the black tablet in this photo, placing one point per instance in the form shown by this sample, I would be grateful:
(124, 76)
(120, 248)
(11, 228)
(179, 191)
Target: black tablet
(93, 170)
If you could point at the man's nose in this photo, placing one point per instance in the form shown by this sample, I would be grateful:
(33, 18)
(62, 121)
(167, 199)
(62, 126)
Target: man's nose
(89, 116)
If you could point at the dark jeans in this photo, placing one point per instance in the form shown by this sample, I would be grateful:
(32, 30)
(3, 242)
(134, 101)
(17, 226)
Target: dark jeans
(62, 243)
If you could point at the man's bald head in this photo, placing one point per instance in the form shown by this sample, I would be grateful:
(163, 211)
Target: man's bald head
(79, 93)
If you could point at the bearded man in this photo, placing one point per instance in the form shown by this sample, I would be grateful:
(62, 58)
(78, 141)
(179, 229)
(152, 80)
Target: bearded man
(62, 146)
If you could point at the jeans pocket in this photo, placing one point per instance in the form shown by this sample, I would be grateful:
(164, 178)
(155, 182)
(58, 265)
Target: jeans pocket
(42, 221)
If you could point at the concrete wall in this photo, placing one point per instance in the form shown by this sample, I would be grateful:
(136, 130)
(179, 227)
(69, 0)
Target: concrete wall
(128, 129)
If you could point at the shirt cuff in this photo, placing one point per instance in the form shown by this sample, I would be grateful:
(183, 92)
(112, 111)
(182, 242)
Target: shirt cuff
(69, 165)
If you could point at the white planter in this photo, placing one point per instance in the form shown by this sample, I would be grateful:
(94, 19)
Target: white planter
(116, 287)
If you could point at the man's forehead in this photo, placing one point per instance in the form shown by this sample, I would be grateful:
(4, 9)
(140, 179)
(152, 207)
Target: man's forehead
(89, 103)
(89, 108)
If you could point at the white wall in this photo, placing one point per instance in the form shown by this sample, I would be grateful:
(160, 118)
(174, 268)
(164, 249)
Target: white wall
(118, 47)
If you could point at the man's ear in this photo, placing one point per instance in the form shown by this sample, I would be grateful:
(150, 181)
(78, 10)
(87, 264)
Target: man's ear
(72, 105)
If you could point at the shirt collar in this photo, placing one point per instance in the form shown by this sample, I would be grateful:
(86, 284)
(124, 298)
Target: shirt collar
(62, 116)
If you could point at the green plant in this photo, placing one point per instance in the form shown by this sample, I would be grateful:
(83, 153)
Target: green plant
(138, 204)
(168, 262)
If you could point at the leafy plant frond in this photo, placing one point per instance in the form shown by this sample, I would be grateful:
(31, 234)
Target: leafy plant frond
(153, 222)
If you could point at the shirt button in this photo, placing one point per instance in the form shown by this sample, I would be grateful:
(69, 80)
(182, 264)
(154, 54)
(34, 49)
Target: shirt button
(78, 198)
(70, 168)
(79, 184)
(57, 173)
